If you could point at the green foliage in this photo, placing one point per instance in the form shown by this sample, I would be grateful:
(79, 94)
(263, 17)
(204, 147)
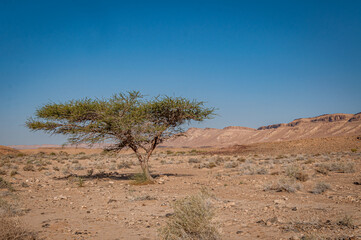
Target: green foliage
(80, 182)
(127, 119)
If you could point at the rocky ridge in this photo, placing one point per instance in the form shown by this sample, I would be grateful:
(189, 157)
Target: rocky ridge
(327, 125)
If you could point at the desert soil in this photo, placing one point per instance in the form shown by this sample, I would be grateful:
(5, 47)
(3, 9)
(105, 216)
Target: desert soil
(266, 192)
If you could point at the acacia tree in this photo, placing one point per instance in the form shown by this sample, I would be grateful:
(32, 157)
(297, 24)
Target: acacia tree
(125, 120)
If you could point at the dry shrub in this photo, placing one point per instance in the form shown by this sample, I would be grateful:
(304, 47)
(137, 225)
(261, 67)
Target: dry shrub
(320, 187)
(11, 229)
(302, 176)
(231, 164)
(339, 167)
(206, 165)
(346, 221)
(297, 173)
(309, 161)
(322, 168)
(5, 184)
(125, 164)
(194, 160)
(252, 169)
(29, 167)
(284, 185)
(6, 209)
(144, 198)
(192, 220)
(343, 167)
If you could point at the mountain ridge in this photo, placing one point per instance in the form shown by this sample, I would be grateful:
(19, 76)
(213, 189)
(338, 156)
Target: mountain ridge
(326, 125)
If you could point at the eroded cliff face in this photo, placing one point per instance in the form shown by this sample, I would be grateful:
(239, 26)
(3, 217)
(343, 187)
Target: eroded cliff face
(326, 118)
(326, 125)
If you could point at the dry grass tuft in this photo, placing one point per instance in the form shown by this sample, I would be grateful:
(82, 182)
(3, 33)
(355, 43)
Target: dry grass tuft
(11, 229)
(192, 220)
(6, 210)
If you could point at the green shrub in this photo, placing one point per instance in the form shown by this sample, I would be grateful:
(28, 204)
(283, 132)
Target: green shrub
(140, 179)
(80, 182)
(193, 151)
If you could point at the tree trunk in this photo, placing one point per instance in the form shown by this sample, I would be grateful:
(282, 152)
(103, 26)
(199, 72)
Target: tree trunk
(145, 169)
(144, 163)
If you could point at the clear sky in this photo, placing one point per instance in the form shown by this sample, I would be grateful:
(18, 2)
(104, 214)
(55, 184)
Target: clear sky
(258, 62)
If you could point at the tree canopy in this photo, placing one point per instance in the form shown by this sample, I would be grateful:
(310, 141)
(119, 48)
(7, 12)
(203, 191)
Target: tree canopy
(125, 120)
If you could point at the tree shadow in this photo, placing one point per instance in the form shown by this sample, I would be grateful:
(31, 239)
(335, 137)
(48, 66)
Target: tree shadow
(117, 176)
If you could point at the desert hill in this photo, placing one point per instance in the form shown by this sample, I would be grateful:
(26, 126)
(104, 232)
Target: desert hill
(327, 125)
(7, 150)
(300, 146)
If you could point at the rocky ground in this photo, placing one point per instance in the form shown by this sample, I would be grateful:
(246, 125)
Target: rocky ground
(255, 195)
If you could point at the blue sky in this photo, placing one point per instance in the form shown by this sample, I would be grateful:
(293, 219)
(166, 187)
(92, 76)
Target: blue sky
(258, 62)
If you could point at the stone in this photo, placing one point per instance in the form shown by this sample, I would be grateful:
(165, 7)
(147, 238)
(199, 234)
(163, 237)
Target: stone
(279, 201)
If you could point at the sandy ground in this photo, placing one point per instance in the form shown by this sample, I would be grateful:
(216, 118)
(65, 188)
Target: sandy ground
(58, 198)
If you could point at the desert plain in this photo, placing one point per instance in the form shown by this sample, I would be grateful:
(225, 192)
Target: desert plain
(300, 188)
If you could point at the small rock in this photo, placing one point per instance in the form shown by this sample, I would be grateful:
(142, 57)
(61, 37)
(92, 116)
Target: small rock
(279, 201)
(46, 225)
(111, 200)
(60, 197)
